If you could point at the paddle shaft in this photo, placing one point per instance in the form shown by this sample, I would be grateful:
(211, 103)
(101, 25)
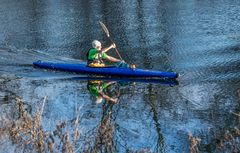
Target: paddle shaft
(108, 35)
(116, 49)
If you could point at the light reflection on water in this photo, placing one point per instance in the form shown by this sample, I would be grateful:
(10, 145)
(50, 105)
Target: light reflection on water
(197, 39)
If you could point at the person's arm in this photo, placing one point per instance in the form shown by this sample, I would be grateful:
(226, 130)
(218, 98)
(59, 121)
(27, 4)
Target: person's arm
(104, 50)
(112, 59)
(110, 83)
(113, 100)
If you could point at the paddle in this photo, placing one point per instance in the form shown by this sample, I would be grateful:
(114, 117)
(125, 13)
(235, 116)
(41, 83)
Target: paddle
(108, 35)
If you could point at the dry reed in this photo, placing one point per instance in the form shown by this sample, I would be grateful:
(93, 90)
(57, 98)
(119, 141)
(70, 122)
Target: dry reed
(28, 132)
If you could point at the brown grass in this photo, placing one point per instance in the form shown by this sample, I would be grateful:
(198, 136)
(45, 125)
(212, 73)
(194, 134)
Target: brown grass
(222, 140)
(28, 132)
(193, 143)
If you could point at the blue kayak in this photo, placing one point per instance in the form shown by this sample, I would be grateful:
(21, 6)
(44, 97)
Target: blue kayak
(109, 71)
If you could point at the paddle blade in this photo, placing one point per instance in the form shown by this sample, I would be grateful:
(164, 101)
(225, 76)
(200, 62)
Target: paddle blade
(104, 29)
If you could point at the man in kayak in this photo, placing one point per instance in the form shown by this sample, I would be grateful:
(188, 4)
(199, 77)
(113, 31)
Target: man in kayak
(96, 55)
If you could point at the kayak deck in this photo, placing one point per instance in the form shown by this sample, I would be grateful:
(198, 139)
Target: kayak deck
(108, 71)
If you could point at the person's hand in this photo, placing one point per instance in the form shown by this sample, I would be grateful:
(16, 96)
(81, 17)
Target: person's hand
(114, 100)
(113, 45)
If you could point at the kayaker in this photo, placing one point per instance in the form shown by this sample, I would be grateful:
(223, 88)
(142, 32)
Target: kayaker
(96, 55)
(97, 88)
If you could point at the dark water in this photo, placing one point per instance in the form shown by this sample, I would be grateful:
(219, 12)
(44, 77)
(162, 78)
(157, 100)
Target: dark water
(198, 39)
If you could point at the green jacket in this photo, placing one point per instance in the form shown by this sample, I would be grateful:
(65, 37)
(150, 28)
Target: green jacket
(94, 55)
(95, 89)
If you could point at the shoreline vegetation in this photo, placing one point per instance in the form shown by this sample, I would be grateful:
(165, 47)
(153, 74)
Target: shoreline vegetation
(27, 133)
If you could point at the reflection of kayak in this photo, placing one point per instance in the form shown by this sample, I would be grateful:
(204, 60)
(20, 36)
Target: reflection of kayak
(147, 80)
(109, 71)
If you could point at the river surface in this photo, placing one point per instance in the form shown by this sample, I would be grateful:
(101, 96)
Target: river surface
(198, 39)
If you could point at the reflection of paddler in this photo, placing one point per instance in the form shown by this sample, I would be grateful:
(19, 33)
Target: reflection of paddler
(105, 131)
(98, 89)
